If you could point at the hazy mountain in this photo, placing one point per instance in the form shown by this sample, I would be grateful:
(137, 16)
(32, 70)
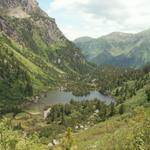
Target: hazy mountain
(119, 49)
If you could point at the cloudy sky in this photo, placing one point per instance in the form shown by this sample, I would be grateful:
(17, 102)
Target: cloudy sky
(95, 18)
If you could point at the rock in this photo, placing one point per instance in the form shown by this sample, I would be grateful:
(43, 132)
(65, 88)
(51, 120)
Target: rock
(96, 111)
(37, 99)
(46, 113)
(55, 142)
(81, 126)
(88, 122)
(59, 60)
(50, 145)
(76, 127)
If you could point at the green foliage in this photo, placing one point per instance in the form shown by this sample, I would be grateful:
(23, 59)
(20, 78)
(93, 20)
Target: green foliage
(76, 113)
(34, 56)
(121, 109)
(13, 140)
(117, 49)
(108, 77)
(148, 93)
(141, 136)
(112, 109)
(15, 82)
(67, 141)
(128, 131)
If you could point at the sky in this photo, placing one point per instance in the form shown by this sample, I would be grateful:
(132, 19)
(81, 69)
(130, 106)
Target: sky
(94, 18)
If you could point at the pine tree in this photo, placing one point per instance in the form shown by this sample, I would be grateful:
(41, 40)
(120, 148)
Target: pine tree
(112, 109)
(121, 109)
(148, 94)
(67, 141)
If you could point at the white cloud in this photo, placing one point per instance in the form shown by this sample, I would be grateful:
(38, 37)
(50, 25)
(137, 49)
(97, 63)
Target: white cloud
(98, 17)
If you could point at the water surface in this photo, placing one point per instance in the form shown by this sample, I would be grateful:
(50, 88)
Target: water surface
(57, 96)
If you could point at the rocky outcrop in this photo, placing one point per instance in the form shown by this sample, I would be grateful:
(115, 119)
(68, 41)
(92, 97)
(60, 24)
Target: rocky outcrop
(37, 19)
(21, 8)
(28, 5)
(46, 113)
(53, 143)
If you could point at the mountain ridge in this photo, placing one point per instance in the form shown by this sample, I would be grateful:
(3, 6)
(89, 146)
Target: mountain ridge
(38, 49)
(118, 44)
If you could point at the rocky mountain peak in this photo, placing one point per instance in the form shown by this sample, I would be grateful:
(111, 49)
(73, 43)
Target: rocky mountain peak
(29, 4)
(20, 8)
(15, 3)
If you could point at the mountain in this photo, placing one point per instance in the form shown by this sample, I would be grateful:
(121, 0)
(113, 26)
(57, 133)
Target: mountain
(83, 39)
(34, 53)
(118, 49)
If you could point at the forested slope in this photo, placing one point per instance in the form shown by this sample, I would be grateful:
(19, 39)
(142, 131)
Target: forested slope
(34, 52)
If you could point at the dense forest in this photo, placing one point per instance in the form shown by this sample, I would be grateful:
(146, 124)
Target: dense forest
(15, 83)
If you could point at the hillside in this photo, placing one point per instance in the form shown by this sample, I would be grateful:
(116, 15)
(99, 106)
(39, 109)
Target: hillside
(34, 51)
(130, 129)
(123, 125)
(128, 124)
(119, 49)
(52, 98)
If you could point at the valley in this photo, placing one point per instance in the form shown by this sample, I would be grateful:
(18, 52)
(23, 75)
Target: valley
(90, 94)
(90, 120)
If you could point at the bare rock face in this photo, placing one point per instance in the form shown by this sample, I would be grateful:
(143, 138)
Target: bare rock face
(37, 19)
(18, 7)
(8, 3)
(46, 113)
(31, 7)
(29, 4)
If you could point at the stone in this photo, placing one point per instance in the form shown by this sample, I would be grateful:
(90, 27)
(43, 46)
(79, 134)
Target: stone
(46, 113)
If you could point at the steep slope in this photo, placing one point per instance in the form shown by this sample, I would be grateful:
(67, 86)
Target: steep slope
(39, 33)
(120, 132)
(129, 50)
(31, 40)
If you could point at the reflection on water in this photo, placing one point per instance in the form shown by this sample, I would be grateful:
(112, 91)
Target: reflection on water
(56, 97)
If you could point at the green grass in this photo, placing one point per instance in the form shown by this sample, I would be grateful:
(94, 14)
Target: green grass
(115, 133)
(138, 100)
(119, 131)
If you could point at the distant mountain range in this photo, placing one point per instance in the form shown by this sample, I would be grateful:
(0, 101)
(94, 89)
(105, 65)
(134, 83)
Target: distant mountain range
(118, 49)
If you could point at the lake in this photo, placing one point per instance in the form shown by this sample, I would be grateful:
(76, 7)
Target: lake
(57, 96)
